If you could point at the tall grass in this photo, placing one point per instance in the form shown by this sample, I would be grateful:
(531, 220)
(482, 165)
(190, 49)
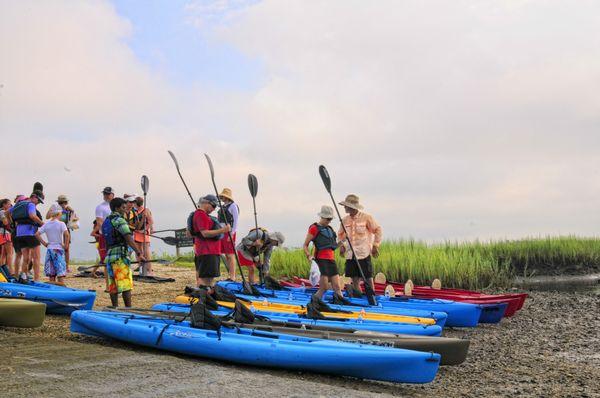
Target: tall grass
(472, 265)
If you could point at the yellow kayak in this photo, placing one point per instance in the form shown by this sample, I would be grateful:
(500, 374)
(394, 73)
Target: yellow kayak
(298, 309)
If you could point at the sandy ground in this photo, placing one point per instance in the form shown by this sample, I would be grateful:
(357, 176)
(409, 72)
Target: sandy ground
(550, 348)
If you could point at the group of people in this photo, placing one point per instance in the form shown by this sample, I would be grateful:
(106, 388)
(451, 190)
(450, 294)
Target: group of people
(123, 225)
(22, 231)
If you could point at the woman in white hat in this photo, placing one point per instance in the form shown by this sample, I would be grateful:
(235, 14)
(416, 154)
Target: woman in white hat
(325, 243)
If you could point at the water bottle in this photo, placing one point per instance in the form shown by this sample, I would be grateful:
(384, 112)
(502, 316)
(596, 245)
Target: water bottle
(265, 302)
(252, 308)
(290, 296)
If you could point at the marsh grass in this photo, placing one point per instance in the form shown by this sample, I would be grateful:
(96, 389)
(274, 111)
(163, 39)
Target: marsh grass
(471, 265)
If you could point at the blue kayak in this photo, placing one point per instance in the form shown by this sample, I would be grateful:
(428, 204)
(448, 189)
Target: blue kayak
(262, 348)
(355, 324)
(458, 314)
(59, 300)
(302, 298)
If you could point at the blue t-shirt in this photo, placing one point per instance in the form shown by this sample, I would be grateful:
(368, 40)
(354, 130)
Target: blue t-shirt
(28, 229)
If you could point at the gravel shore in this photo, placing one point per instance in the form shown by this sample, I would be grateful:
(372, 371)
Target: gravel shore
(550, 348)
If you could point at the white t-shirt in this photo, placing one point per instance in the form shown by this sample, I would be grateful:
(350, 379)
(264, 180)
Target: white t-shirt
(103, 210)
(54, 231)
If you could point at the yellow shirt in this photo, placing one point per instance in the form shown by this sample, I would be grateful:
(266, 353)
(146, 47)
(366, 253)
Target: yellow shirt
(364, 233)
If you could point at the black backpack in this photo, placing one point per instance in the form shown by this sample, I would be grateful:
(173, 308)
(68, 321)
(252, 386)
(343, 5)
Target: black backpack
(193, 232)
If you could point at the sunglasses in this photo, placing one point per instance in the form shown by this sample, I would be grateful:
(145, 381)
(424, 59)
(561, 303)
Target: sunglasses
(328, 219)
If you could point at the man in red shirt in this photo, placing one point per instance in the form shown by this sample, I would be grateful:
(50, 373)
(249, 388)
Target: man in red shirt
(207, 247)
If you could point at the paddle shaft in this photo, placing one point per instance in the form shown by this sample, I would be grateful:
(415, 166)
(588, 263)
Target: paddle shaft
(327, 182)
(237, 260)
(260, 270)
(182, 180)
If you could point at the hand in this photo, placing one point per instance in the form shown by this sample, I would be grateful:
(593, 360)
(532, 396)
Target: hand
(45, 244)
(375, 251)
(258, 243)
(342, 249)
(311, 258)
(141, 257)
(226, 228)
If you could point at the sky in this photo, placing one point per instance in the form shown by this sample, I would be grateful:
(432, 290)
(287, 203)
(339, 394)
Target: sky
(451, 121)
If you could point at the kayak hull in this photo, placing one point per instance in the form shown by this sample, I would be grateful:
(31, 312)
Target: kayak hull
(59, 300)
(265, 349)
(21, 313)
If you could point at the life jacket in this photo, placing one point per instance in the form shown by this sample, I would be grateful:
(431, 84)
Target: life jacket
(192, 230)
(225, 217)
(112, 236)
(19, 213)
(132, 218)
(325, 238)
(264, 236)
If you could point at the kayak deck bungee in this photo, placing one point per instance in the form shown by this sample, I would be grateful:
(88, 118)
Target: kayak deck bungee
(355, 324)
(59, 300)
(459, 314)
(19, 313)
(261, 348)
(299, 297)
(453, 350)
(266, 305)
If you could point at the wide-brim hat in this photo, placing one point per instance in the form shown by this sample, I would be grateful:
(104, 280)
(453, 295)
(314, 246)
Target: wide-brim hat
(226, 193)
(352, 201)
(326, 212)
(278, 236)
(39, 195)
(108, 190)
(62, 198)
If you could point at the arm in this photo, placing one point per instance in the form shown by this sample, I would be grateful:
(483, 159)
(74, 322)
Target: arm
(307, 241)
(66, 239)
(38, 236)
(48, 216)
(375, 229)
(211, 233)
(149, 221)
(33, 216)
(97, 226)
(267, 257)
(131, 243)
(234, 211)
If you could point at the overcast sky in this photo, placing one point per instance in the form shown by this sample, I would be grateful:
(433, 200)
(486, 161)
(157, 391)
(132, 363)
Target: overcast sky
(452, 120)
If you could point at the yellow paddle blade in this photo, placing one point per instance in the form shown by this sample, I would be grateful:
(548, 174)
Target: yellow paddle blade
(437, 284)
(301, 310)
(380, 278)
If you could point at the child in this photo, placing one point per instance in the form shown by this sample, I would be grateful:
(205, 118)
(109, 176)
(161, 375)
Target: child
(55, 266)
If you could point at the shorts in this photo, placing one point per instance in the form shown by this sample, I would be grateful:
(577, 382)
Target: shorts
(327, 267)
(101, 245)
(226, 246)
(366, 265)
(27, 242)
(244, 262)
(5, 238)
(16, 245)
(120, 277)
(55, 264)
(208, 265)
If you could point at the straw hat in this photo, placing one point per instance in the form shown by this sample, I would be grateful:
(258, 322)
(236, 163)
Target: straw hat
(62, 198)
(352, 201)
(326, 212)
(226, 193)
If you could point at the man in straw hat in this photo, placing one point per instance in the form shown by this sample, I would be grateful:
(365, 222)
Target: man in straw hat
(229, 214)
(364, 235)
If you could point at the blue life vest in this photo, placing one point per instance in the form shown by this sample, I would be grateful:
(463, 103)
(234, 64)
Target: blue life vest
(326, 238)
(111, 235)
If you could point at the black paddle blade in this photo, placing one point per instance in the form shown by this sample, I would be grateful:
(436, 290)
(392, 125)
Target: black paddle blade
(174, 159)
(145, 184)
(210, 166)
(252, 185)
(170, 240)
(325, 177)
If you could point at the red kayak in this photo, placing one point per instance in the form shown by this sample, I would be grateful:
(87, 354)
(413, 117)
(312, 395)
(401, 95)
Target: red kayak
(515, 301)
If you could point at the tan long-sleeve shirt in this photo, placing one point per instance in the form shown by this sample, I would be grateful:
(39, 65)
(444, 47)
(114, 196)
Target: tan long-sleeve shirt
(364, 233)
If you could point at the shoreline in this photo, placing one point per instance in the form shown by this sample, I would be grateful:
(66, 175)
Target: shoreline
(547, 349)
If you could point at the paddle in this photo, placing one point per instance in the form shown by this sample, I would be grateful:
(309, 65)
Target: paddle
(247, 287)
(182, 180)
(253, 187)
(169, 240)
(89, 267)
(327, 182)
(145, 184)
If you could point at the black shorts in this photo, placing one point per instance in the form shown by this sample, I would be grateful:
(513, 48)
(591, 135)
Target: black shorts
(327, 267)
(365, 264)
(16, 245)
(27, 242)
(208, 265)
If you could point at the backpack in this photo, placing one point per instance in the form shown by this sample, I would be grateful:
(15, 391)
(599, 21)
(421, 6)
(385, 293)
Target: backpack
(112, 236)
(325, 238)
(225, 217)
(19, 213)
(197, 234)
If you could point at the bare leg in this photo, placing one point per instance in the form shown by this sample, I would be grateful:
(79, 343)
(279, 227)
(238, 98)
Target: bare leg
(60, 280)
(67, 260)
(114, 299)
(356, 283)
(26, 258)
(36, 263)
(251, 275)
(206, 281)
(147, 266)
(323, 285)
(231, 265)
(17, 263)
(8, 247)
(336, 285)
(126, 298)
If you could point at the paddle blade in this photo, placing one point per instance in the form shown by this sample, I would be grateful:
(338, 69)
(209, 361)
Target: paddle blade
(145, 184)
(174, 159)
(325, 177)
(210, 165)
(170, 240)
(252, 185)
